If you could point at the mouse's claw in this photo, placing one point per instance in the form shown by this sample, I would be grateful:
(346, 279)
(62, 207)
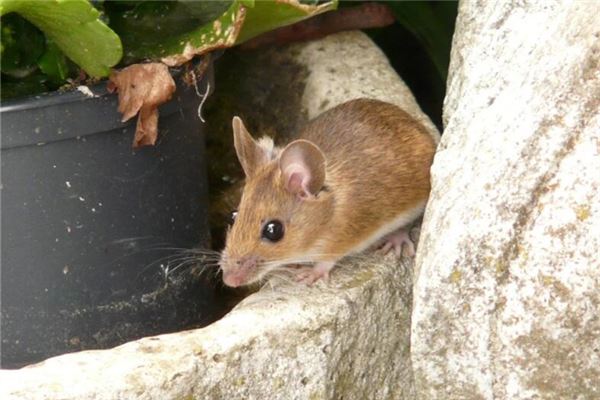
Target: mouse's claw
(311, 276)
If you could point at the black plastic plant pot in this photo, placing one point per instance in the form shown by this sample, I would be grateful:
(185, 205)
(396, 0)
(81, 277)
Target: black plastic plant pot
(91, 229)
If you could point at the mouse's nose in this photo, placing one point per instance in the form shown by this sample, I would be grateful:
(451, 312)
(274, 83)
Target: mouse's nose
(240, 271)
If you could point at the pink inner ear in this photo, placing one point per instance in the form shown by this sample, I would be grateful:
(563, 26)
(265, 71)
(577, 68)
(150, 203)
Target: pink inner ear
(297, 179)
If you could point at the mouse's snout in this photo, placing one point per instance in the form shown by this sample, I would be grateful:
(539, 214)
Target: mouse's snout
(239, 271)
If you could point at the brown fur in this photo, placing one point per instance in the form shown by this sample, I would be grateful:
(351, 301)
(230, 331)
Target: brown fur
(377, 167)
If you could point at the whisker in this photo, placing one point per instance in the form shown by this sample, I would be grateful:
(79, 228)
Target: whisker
(182, 250)
(180, 265)
(131, 239)
(168, 260)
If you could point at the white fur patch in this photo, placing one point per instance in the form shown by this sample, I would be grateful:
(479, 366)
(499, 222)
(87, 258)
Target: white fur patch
(401, 220)
(398, 222)
(268, 147)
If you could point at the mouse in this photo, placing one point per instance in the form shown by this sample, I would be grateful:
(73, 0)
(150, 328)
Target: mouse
(354, 177)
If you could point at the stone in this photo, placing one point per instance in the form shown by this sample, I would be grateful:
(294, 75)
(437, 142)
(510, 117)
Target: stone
(507, 292)
(347, 339)
(348, 66)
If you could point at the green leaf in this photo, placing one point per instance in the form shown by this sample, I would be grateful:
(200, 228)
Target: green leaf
(432, 24)
(197, 27)
(75, 27)
(268, 15)
(220, 33)
(147, 27)
(22, 45)
(54, 63)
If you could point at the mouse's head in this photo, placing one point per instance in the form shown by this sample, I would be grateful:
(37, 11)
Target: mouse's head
(283, 210)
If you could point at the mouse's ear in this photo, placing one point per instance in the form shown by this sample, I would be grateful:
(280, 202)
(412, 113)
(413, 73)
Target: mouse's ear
(302, 166)
(249, 152)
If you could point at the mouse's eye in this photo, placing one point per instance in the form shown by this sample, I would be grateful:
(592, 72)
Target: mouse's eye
(233, 216)
(273, 231)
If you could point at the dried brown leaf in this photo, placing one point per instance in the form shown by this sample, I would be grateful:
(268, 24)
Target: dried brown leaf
(142, 88)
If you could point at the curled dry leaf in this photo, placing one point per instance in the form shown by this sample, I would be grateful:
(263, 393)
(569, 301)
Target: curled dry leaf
(142, 88)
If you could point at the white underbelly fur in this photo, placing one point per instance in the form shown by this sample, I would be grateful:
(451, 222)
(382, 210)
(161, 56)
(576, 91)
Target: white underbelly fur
(401, 220)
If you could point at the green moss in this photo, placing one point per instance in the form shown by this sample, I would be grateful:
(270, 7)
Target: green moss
(315, 396)
(278, 383)
(455, 276)
(241, 381)
(582, 212)
(359, 278)
(558, 287)
(501, 268)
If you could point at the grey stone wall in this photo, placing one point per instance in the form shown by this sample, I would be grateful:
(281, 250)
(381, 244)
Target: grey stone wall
(507, 296)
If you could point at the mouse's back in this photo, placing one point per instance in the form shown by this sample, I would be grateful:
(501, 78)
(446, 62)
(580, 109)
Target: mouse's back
(378, 161)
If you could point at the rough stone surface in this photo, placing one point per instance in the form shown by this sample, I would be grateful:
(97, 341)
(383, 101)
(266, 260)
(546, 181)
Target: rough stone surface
(349, 339)
(507, 296)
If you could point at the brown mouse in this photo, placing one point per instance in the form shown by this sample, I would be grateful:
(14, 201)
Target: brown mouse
(357, 175)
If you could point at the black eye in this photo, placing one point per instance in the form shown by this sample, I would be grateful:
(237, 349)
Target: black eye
(233, 216)
(273, 231)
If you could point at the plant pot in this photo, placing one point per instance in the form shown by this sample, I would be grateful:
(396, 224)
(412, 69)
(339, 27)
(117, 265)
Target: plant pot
(90, 227)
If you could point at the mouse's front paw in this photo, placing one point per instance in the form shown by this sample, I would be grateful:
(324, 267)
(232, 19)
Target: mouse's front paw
(309, 275)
